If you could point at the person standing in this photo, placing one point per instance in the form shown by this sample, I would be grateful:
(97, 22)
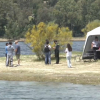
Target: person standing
(47, 52)
(56, 49)
(95, 46)
(17, 51)
(10, 49)
(6, 50)
(68, 52)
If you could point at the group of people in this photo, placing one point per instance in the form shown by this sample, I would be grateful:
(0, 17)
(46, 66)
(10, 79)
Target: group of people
(10, 49)
(47, 51)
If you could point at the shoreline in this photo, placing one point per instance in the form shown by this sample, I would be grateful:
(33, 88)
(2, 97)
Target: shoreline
(78, 39)
(22, 39)
(32, 70)
(6, 40)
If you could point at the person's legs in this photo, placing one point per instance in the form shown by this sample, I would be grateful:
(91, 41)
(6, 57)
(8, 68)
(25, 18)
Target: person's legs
(7, 61)
(68, 61)
(18, 61)
(6, 56)
(95, 53)
(57, 58)
(18, 58)
(49, 58)
(46, 58)
(11, 61)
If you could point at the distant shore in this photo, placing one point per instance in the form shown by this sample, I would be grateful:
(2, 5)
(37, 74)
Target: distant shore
(6, 40)
(33, 70)
(78, 39)
(22, 39)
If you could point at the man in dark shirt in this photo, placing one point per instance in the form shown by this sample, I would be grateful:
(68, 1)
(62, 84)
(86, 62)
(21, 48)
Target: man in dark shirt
(56, 48)
(17, 51)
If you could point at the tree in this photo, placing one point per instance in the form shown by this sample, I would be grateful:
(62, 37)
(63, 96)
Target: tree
(44, 13)
(90, 26)
(17, 12)
(67, 13)
(3, 20)
(39, 33)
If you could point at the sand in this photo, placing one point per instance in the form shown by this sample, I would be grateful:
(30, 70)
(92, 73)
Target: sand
(33, 70)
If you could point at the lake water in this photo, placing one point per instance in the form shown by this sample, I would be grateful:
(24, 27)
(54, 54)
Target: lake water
(16, 90)
(12, 90)
(25, 50)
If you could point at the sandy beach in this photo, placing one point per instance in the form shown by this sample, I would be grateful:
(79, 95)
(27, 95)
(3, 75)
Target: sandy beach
(33, 70)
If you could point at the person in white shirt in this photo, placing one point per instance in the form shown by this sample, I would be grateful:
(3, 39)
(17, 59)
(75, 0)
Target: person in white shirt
(95, 46)
(95, 43)
(68, 52)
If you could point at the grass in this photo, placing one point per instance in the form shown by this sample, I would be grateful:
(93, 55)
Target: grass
(32, 69)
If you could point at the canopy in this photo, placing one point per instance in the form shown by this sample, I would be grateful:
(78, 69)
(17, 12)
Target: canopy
(87, 51)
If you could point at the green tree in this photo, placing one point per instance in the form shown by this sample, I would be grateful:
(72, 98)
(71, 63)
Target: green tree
(39, 33)
(67, 13)
(3, 20)
(44, 13)
(91, 25)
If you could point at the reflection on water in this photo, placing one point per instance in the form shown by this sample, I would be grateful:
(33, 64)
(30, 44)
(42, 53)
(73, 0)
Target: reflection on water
(47, 91)
(25, 50)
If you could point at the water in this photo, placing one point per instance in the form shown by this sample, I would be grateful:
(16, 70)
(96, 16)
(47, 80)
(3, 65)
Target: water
(16, 90)
(25, 50)
(78, 45)
(12, 90)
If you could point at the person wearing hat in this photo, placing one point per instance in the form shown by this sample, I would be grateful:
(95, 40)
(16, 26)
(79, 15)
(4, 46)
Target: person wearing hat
(17, 51)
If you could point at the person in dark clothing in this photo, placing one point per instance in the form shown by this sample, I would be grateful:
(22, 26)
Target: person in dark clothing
(17, 51)
(56, 48)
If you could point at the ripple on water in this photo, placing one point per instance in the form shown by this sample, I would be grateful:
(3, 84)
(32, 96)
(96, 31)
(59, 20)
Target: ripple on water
(10, 90)
(25, 50)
